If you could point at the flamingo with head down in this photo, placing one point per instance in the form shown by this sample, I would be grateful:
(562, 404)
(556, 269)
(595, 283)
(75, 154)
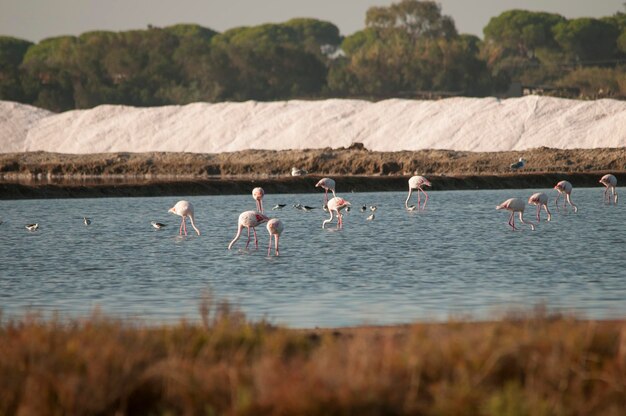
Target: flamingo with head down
(249, 219)
(335, 206)
(515, 205)
(610, 182)
(185, 210)
(328, 185)
(275, 228)
(564, 187)
(540, 199)
(417, 182)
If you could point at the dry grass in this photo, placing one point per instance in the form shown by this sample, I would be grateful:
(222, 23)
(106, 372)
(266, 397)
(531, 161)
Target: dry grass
(532, 364)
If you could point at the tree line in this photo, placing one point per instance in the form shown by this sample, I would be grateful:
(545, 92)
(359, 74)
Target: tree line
(409, 49)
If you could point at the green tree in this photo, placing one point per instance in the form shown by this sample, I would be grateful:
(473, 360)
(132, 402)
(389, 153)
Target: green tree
(587, 40)
(12, 51)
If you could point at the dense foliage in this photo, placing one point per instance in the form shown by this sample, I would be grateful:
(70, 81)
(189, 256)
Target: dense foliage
(408, 49)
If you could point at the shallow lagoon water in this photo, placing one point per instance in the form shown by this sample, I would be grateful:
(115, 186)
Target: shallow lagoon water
(456, 258)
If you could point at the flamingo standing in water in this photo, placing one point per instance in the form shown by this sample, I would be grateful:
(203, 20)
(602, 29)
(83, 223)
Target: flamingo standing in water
(249, 219)
(564, 187)
(540, 200)
(610, 182)
(185, 210)
(515, 205)
(328, 185)
(257, 194)
(416, 182)
(335, 205)
(275, 228)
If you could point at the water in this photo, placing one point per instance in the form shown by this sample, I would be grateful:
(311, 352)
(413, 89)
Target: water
(457, 258)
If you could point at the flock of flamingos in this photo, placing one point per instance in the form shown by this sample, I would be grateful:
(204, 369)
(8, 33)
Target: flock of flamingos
(335, 206)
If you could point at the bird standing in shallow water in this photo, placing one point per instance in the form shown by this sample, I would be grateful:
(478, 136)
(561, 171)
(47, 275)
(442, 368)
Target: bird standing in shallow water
(370, 217)
(515, 205)
(416, 182)
(86, 221)
(257, 194)
(610, 182)
(279, 206)
(249, 219)
(328, 185)
(564, 187)
(185, 210)
(32, 227)
(540, 200)
(335, 205)
(157, 225)
(275, 228)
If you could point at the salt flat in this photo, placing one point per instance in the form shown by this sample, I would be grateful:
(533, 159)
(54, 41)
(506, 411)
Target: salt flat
(464, 124)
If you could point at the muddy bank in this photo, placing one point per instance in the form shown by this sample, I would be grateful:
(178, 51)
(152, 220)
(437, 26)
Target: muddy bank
(282, 185)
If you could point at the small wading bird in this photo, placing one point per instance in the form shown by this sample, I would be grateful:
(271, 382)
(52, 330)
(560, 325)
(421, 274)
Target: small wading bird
(257, 194)
(157, 225)
(416, 182)
(279, 206)
(540, 200)
(564, 187)
(610, 182)
(373, 208)
(86, 221)
(515, 205)
(335, 205)
(298, 172)
(275, 228)
(370, 217)
(363, 208)
(185, 210)
(249, 219)
(328, 185)
(519, 164)
(32, 227)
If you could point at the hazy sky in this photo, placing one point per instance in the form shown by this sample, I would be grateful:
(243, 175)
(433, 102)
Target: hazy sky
(37, 19)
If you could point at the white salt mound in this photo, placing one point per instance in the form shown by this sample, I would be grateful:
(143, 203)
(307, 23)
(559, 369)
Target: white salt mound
(470, 124)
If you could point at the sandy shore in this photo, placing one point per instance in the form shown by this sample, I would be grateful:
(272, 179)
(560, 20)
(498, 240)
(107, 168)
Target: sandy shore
(53, 175)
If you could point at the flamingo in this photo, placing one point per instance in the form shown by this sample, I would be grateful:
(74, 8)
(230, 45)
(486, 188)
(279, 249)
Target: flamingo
(184, 209)
(275, 228)
(540, 200)
(610, 182)
(328, 185)
(249, 219)
(257, 194)
(564, 187)
(515, 205)
(416, 182)
(335, 205)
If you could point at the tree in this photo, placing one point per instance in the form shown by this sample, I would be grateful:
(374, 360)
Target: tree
(12, 51)
(587, 40)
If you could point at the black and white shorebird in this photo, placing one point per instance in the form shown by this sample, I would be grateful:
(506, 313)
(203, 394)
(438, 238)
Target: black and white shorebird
(411, 208)
(157, 225)
(373, 208)
(298, 172)
(363, 208)
(86, 220)
(279, 206)
(32, 227)
(370, 217)
(519, 164)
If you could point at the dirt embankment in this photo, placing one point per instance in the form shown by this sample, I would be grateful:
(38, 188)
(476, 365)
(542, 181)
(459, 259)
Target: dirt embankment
(53, 175)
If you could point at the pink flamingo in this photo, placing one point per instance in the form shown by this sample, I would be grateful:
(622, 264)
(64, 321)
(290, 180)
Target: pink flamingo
(275, 228)
(328, 185)
(610, 182)
(515, 205)
(564, 187)
(335, 205)
(257, 194)
(184, 209)
(540, 200)
(249, 219)
(416, 182)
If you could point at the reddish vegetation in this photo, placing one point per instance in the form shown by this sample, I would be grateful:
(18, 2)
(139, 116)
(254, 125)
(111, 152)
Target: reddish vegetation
(521, 365)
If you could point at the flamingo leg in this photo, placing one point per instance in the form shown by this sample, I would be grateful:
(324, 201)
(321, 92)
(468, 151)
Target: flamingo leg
(538, 211)
(569, 200)
(418, 197)
(248, 242)
(269, 246)
(556, 201)
(326, 197)
(512, 220)
(256, 241)
(276, 239)
(547, 212)
(185, 225)
(425, 199)
(180, 230)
